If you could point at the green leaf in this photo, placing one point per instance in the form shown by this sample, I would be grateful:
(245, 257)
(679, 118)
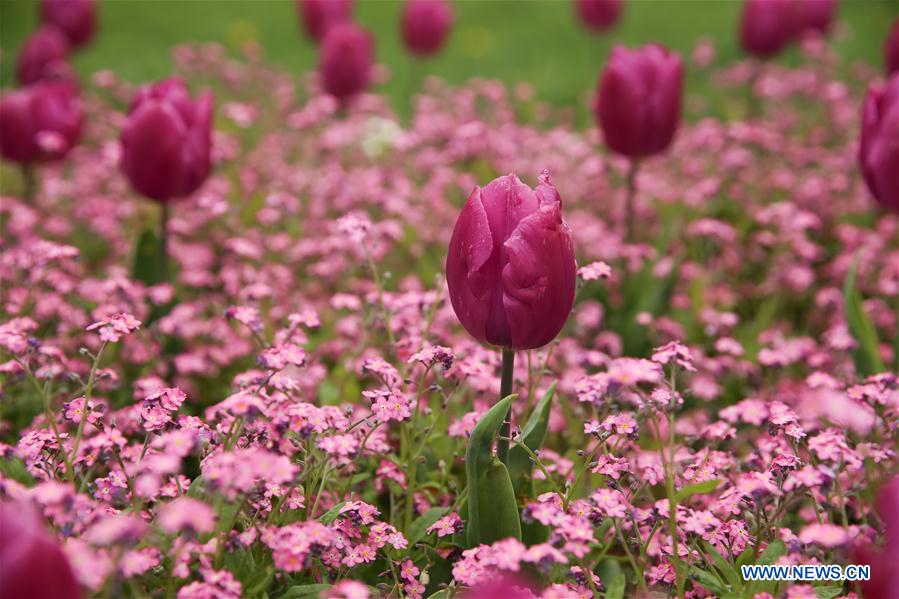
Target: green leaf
(867, 354)
(148, 259)
(706, 486)
(441, 594)
(533, 434)
(771, 553)
(304, 591)
(615, 587)
(15, 469)
(708, 580)
(828, 592)
(421, 524)
(331, 514)
(731, 575)
(492, 509)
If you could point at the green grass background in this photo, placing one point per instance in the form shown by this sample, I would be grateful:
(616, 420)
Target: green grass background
(538, 41)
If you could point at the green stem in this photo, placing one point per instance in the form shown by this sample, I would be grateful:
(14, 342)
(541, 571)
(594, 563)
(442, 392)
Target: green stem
(505, 390)
(29, 183)
(164, 241)
(630, 216)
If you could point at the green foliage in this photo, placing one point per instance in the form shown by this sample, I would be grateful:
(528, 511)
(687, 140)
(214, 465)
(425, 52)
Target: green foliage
(697, 489)
(420, 525)
(533, 434)
(148, 260)
(867, 353)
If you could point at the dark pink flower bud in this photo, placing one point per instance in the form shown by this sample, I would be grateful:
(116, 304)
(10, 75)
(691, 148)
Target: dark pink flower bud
(510, 267)
(767, 26)
(76, 18)
(816, 15)
(317, 16)
(347, 58)
(167, 141)
(32, 564)
(40, 122)
(598, 15)
(44, 55)
(891, 49)
(426, 24)
(639, 101)
(878, 153)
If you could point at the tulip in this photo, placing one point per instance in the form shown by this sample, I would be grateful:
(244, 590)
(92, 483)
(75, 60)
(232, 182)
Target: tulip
(598, 15)
(40, 122)
(815, 15)
(318, 16)
(346, 62)
(879, 145)
(891, 49)
(76, 18)
(44, 55)
(884, 581)
(426, 24)
(767, 26)
(32, 564)
(638, 107)
(166, 146)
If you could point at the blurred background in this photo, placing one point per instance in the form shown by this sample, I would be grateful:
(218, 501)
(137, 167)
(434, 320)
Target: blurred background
(538, 41)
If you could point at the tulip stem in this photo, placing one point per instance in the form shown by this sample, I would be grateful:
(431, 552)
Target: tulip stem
(630, 216)
(505, 390)
(164, 242)
(29, 183)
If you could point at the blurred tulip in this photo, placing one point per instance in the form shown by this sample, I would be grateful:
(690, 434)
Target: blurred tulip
(879, 144)
(32, 564)
(426, 24)
(75, 18)
(816, 15)
(40, 122)
(891, 49)
(318, 16)
(347, 58)
(767, 26)
(598, 15)
(510, 266)
(884, 581)
(167, 140)
(44, 55)
(639, 101)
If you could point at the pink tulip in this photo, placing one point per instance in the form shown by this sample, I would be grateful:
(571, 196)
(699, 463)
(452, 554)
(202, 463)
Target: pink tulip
(598, 15)
(41, 122)
(891, 49)
(44, 55)
(510, 266)
(426, 24)
(167, 141)
(884, 581)
(318, 16)
(347, 58)
(76, 18)
(32, 564)
(768, 26)
(639, 101)
(816, 15)
(879, 144)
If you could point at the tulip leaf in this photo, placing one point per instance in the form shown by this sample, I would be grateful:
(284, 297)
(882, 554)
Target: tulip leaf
(148, 260)
(701, 488)
(492, 509)
(867, 353)
(520, 464)
(305, 590)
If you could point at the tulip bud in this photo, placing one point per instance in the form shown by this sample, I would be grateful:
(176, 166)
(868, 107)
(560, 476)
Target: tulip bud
(816, 15)
(767, 26)
(347, 58)
(43, 55)
(76, 18)
(598, 15)
(32, 564)
(891, 49)
(426, 24)
(41, 122)
(510, 268)
(318, 16)
(879, 145)
(639, 101)
(167, 141)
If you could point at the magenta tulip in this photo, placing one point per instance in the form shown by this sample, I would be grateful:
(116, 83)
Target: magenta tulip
(639, 101)
(891, 49)
(347, 58)
(318, 16)
(816, 15)
(879, 145)
(167, 141)
(598, 15)
(426, 25)
(44, 55)
(767, 26)
(510, 267)
(41, 122)
(76, 18)
(32, 564)
(884, 581)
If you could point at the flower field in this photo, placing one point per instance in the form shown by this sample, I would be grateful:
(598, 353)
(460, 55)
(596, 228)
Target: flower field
(261, 336)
